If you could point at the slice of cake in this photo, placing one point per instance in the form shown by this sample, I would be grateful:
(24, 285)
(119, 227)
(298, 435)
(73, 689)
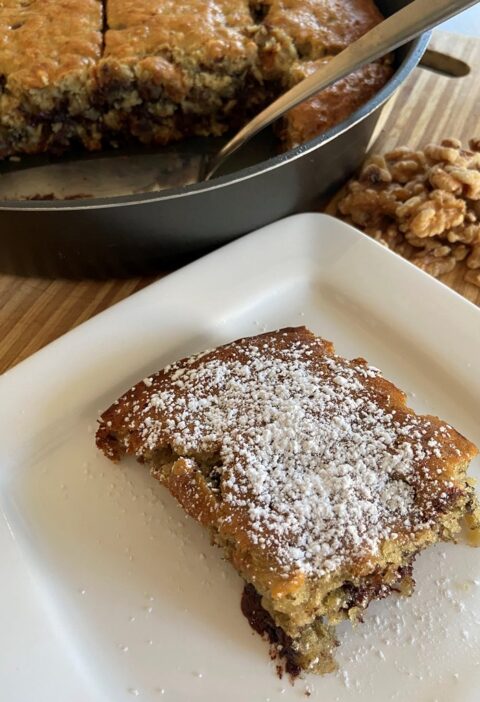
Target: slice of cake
(310, 471)
(47, 51)
(173, 69)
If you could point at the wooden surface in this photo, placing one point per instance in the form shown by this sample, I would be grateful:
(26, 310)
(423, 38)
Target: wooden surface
(34, 311)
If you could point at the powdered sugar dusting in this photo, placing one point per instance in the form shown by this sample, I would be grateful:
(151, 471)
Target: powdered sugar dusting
(309, 448)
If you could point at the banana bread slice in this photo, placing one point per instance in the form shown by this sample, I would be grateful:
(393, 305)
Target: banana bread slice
(310, 471)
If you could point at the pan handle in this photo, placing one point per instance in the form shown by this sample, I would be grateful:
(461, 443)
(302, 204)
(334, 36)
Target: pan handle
(446, 65)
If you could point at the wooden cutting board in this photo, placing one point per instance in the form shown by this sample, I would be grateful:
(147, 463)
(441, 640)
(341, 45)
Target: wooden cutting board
(428, 107)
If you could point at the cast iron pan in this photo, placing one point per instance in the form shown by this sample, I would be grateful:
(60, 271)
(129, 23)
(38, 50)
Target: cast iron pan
(131, 212)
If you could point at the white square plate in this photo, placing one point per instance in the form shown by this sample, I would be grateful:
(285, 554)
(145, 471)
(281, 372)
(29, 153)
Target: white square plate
(108, 592)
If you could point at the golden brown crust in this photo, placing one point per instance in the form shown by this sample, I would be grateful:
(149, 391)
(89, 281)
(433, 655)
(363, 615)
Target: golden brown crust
(297, 38)
(307, 30)
(321, 27)
(198, 33)
(331, 106)
(47, 51)
(39, 50)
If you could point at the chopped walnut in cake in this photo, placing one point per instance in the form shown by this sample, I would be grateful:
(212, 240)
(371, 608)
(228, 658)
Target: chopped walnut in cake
(423, 204)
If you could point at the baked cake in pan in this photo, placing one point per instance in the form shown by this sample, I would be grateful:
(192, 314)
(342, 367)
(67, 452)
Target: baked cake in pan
(93, 73)
(310, 471)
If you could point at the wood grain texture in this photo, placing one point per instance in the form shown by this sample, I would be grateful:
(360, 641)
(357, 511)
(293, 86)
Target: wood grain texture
(35, 311)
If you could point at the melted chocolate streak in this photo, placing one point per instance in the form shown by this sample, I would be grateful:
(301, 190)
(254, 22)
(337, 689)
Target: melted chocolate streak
(261, 621)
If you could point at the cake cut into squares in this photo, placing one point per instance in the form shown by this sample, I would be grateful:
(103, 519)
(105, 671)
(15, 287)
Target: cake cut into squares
(318, 481)
(47, 51)
(88, 73)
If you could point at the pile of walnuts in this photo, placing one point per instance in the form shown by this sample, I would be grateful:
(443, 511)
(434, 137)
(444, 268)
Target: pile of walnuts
(425, 205)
